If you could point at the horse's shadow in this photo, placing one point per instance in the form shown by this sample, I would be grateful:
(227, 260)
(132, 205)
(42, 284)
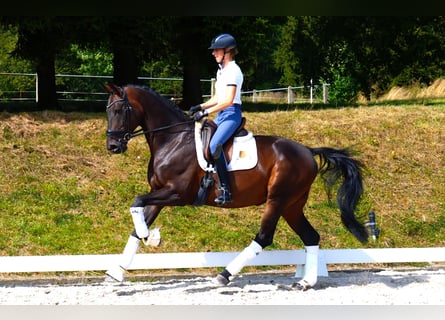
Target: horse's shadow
(337, 279)
(170, 285)
(255, 283)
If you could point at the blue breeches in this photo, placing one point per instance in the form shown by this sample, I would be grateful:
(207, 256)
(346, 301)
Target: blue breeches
(227, 120)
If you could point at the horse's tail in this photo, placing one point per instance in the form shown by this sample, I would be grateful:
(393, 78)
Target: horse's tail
(337, 163)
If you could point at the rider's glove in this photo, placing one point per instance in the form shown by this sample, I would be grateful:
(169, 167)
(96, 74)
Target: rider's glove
(194, 109)
(200, 114)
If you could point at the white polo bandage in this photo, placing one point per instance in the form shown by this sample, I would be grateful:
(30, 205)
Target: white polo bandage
(117, 272)
(137, 213)
(247, 254)
(129, 252)
(311, 265)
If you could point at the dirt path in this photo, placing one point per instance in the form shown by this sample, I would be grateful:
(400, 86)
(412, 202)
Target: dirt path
(364, 287)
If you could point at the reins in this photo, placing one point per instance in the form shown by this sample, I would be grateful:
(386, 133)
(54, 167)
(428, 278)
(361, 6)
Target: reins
(127, 135)
(142, 131)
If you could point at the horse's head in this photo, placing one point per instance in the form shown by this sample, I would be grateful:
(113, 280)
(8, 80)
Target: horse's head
(122, 120)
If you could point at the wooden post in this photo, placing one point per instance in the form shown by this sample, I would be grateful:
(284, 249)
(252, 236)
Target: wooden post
(37, 88)
(212, 87)
(325, 94)
(290, 95)
(311, 97)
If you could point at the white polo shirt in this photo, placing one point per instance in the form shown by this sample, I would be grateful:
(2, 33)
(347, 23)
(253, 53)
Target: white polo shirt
(229, 75)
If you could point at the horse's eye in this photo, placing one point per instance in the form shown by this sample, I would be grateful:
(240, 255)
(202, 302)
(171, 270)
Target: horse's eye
(117, 112)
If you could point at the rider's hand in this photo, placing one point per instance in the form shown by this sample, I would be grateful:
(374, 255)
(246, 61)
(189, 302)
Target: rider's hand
(194, 109)
(200, 114)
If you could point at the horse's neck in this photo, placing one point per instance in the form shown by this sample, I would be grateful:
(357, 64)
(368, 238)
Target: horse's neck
(157, 114)
(172, 143)
(165, 125)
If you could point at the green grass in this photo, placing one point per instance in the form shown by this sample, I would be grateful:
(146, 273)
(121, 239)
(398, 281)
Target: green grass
(61, 192)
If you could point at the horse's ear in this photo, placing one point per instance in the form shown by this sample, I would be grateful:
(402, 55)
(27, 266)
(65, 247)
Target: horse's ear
(113, 89)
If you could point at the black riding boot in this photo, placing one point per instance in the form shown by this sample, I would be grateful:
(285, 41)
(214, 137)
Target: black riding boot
(223, 177)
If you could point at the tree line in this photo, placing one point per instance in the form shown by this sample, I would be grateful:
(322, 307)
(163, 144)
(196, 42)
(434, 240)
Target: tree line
(355, 54)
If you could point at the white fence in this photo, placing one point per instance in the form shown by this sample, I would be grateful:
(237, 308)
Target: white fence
(69, 87)
(290, 95)
(23, 87)
(15, 264)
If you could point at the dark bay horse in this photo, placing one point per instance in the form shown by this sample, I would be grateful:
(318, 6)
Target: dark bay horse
(281, 179)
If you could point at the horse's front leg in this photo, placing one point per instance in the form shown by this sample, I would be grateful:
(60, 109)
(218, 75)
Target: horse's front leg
(117, 272)
(144, 210)
(143, 219)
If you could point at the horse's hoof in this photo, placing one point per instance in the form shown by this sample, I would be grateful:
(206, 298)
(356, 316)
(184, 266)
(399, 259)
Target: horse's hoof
(153, 239)
(301, 285)
(220, 280)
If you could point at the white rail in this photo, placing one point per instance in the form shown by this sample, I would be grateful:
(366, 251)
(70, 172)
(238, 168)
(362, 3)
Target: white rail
(13, 264)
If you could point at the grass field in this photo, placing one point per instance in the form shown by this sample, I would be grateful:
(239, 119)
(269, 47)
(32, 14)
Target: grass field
(61, 192)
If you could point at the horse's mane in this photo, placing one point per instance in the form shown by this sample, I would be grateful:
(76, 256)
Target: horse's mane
(170, 104)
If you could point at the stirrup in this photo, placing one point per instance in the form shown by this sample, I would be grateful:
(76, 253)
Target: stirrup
(224, 197)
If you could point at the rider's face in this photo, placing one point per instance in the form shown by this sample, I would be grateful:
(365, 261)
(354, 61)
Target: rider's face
(218, 54)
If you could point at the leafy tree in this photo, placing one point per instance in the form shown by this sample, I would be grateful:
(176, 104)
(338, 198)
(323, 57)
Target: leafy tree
(190, 44)
(93, 62)
(257, 38)
(285, 57)
(39, 41)
(11, 64)
(371, 52)
(365, 53)
(299, 55)
(421, 50)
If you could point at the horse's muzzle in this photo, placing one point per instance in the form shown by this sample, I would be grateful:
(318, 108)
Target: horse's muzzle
(116, 146)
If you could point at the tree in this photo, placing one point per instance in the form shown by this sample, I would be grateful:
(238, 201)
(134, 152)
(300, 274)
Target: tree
(190, 42)
(371, 52)
(8, 63)
(298, 55)
(39, 40)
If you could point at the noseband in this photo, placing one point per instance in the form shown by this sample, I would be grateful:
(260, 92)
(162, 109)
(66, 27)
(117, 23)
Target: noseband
(126, 133)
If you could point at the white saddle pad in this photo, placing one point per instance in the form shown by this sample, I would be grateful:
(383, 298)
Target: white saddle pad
(244, 152)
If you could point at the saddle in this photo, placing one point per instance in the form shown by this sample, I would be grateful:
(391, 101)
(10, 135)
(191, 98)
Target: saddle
(243, 153)
(207, 132)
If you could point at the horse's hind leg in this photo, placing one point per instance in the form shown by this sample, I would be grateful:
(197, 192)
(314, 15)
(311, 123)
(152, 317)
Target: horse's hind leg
(263, 238)
(238, 263)
(117, 272)
(310, 237)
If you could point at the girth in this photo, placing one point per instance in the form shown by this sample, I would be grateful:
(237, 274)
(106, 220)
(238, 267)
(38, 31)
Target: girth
(207, 132)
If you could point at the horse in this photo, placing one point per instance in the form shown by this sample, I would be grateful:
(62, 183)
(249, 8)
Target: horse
(281, 179)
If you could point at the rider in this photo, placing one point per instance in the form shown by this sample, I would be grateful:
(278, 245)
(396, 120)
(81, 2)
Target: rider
(226, 103)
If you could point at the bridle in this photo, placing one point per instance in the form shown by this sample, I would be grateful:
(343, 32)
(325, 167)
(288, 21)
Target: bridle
(126, 133)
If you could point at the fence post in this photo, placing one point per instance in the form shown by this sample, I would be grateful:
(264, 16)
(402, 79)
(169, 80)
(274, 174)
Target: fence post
(325, 94)
(290, 95)
(311, 97)
(254, 96)
(212, 87)
(37, 88)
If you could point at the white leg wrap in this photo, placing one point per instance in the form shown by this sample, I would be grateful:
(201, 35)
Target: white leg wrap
(130, 250)
(311, 266)
(137, 213)
(117, 272)
(247, 254)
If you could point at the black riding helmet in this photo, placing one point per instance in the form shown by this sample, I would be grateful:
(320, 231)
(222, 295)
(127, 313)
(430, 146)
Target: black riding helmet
(223, 41)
